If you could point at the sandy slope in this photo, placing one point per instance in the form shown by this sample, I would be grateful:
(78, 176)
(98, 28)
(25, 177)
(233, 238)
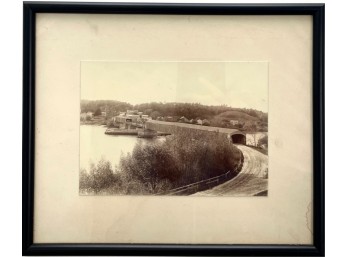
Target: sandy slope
(249, 181)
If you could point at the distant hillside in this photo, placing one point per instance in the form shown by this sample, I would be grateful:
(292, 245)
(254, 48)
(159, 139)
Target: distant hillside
(237, 115)
(251, 121)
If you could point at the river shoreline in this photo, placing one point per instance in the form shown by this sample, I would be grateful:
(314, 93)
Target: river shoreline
(96, 145)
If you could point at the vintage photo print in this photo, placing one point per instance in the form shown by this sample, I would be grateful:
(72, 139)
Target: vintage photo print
(174, 128)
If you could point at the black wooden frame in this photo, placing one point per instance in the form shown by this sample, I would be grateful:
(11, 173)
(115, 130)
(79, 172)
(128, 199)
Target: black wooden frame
(29, 11)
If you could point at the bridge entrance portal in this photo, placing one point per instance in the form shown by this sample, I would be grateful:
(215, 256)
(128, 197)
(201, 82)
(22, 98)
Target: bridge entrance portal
(238, 139)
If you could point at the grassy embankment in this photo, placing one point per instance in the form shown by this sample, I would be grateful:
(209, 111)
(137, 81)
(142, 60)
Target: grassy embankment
(246, 122)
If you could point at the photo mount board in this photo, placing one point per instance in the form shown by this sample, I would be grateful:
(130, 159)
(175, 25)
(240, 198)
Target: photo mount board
(30, 118)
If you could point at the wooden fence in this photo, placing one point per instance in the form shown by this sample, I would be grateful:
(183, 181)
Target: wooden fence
(207, 183)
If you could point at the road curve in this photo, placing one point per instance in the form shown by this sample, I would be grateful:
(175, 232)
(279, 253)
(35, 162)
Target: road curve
(250, 180)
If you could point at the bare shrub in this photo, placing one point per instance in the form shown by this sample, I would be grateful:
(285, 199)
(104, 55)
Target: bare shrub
(263, 141)
(149, 165)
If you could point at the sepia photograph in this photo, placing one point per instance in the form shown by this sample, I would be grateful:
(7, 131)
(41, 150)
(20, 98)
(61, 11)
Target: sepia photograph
(174, 128)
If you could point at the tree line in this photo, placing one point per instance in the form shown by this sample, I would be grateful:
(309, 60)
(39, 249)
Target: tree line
(158, 109)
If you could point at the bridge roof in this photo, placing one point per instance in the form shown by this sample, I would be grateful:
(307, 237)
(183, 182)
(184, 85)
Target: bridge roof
(198, 127)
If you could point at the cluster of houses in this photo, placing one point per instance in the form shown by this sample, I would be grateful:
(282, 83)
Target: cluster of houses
(197, 121)
(133, 119)
(183, 119)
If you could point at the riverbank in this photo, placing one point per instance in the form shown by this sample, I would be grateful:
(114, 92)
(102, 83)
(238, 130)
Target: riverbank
(151, 167)
(121, 132)
(95, 122)
(95, 145)
(134, 132)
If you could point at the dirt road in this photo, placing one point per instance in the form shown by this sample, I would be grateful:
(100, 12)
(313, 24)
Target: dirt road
(251, 179)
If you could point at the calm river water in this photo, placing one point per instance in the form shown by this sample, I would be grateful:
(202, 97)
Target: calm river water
(94, 145)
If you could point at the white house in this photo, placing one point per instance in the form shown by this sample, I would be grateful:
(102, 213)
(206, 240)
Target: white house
(184, 119)
(234, 122)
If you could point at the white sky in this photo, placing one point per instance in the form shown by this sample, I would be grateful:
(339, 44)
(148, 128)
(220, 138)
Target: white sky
(236, 84)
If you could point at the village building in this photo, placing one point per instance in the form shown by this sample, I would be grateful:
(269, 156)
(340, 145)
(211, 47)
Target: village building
(168, 118)
(184, 119)
(131, 119)
(234, 122)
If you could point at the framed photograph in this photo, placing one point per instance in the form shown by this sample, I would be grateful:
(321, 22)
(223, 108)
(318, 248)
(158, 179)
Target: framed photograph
(173, 129)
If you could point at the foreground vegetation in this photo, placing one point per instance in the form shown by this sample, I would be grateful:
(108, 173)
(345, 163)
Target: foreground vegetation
(157, 167)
